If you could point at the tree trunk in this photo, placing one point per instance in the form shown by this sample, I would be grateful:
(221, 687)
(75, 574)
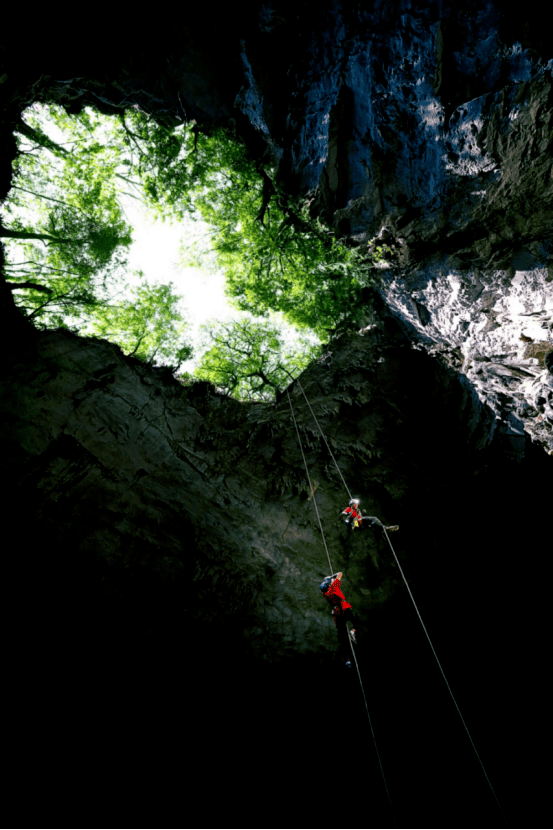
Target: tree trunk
(39, 138)
(13, 286)
(6, 232)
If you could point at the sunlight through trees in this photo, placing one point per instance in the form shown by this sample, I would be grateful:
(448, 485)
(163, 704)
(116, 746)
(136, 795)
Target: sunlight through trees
(64, 217)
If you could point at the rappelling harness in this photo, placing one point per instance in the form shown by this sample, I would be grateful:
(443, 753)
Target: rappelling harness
(385, 530)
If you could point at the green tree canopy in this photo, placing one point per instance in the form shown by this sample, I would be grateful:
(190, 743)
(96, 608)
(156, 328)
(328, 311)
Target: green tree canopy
(275, 256)
(250, 360)
(64, 212)
(149, 326)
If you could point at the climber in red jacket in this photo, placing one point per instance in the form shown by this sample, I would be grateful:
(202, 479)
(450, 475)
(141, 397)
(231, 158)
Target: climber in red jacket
(342, 611)
(353, 515)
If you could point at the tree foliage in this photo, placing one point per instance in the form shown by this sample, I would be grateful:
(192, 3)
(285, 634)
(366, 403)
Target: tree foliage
(275, 256)
(250, 360)
(64, 212)
(150, 326)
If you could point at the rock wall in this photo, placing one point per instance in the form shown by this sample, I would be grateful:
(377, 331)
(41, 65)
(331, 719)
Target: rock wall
(163, 552)
(430, 128)
(189, 486)
(417, 123)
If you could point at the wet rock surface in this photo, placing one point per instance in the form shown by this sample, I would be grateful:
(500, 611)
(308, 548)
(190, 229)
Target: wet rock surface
(161, 575)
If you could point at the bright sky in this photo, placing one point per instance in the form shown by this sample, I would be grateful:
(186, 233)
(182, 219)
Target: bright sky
(155, 251)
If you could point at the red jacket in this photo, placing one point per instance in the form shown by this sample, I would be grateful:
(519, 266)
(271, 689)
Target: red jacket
(336, 598)
(354, 513)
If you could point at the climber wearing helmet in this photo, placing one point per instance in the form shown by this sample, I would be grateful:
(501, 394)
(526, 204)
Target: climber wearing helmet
(342, 611)
(353, 514)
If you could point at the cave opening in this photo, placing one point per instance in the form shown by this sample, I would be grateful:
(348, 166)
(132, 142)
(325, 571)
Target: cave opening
(268, 281)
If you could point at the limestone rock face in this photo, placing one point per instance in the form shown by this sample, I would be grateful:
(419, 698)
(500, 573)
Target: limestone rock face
(182, 486)
(436, 139)
(165, 556)
(424, 125)
(494, 327)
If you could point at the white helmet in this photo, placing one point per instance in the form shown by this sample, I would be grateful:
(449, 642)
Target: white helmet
(354, 501)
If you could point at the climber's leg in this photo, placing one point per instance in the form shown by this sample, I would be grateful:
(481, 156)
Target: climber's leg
(350, 616)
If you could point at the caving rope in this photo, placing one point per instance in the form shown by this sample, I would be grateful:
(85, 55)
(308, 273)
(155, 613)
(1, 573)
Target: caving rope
(331, 571)
(406, 585)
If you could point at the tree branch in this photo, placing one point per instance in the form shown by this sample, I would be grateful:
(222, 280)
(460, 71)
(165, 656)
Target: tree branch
(40, 307)
(268, 190)
(50, 198)
(14, 286)
(5, 232)
(140, 339)
(132, 135)
(39, 138)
